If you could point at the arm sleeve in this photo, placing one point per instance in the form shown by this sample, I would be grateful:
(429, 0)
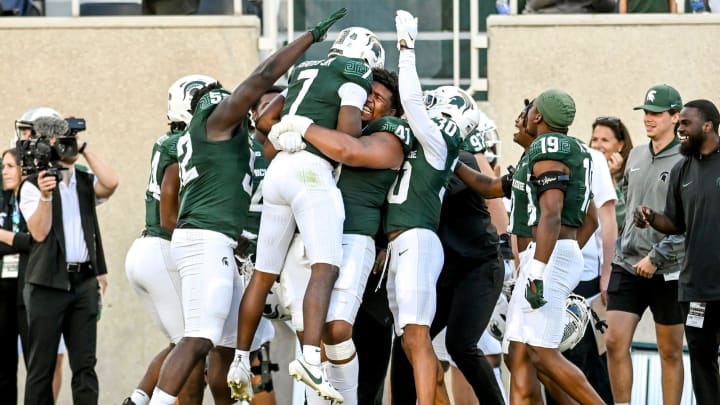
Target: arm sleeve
(352, 94)
(424, 129)
(673, 203)
(671, 247)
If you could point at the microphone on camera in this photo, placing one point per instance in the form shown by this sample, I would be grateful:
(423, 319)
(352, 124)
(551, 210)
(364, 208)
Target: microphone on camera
(50, 127)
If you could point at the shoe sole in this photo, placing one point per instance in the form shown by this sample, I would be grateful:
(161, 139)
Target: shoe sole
(242, 388)
(298, 375)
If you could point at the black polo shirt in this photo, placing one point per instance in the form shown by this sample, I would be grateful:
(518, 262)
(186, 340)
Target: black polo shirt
(465, 227)
(693, 204)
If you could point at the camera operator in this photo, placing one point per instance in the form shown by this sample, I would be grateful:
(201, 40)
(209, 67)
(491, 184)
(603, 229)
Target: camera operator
(66, 270)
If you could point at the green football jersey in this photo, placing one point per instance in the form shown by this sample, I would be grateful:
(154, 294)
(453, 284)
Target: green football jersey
(573, 153)
(215, 176)
(364, 190)
(520, 205)
(474, 143)
(259, 168)
(164, 153)
(313, 89)
(415, 198)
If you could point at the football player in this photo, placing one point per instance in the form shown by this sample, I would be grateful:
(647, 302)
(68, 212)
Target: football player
(299, 190)
(559, 198)
(414, 253)
(150, 269)
(212, 153)
(370, 166)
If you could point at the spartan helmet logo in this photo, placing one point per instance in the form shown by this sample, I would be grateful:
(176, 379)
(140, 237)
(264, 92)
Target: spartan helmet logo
(651, 96)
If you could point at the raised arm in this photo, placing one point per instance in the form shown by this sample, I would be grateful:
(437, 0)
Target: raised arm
(424, 129)
(231, 111)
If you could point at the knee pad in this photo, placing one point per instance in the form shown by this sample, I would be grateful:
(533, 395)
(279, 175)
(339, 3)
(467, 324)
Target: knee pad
(264, 370)
(341, 351)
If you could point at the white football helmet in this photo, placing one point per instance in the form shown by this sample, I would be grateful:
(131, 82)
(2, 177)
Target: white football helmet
(496, 326)
(181, 93)
(577, 316)
(456, 104)
(27, 119)
(361, 43)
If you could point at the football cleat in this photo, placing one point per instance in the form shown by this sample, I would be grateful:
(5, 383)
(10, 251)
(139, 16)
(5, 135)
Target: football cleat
(239, 379)
(315, 378)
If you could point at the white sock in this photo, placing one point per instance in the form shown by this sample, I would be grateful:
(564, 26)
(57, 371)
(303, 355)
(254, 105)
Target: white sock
(622, 403)
(160, 397)
(498, 378)
(244, 357)
(311, 354)
(344, 377)
(139, 397)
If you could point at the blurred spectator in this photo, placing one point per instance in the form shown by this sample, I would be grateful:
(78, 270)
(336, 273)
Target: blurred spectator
(611, 137)
(169, 7)
(647, 6)
(569, 6)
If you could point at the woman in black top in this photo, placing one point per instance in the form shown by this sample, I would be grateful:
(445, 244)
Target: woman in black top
(14, 248)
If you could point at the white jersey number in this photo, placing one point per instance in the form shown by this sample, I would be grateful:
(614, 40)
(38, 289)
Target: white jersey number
(184, 150)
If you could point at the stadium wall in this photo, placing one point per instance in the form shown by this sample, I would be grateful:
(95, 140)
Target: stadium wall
(605, 61)
(115, 72)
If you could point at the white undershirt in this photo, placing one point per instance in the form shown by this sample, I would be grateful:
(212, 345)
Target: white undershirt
(75, 249)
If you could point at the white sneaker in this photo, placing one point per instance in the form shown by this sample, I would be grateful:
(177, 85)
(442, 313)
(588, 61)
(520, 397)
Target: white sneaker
(315, 378)
(239, 379)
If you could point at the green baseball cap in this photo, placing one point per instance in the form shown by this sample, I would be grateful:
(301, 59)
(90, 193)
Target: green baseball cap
(661, 98)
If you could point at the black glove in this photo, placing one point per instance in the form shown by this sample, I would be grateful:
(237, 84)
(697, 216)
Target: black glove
(320, 30)
(507, 180)
(506, 247)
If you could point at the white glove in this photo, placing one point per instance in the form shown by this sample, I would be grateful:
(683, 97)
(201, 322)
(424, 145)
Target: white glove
(406, 26)
(290, 142)
(296, 123)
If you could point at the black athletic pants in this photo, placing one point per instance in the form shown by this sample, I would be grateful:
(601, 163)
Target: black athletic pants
(467, 291)
(703, 345)
(372, 335)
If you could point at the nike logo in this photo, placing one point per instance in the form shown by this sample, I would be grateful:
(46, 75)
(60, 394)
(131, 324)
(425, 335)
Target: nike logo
(687, 184)
(634, 169)
(310, 374)
(411, 37)
(401, 253)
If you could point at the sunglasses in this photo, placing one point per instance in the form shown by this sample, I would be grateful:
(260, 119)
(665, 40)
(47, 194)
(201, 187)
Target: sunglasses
(613, 123)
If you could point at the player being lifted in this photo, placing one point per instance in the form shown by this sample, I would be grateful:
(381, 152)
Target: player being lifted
(299, 190)
(370, 165)
(213, 153)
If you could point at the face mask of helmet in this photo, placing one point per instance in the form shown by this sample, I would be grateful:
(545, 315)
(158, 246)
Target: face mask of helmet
(360, 43)
(453, 103)
(577, 316)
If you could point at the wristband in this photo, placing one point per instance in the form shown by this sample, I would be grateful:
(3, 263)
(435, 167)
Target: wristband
(43, 199)
(82, 148)
(536, 269)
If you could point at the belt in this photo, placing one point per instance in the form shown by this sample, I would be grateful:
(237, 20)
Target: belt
(78, 267)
